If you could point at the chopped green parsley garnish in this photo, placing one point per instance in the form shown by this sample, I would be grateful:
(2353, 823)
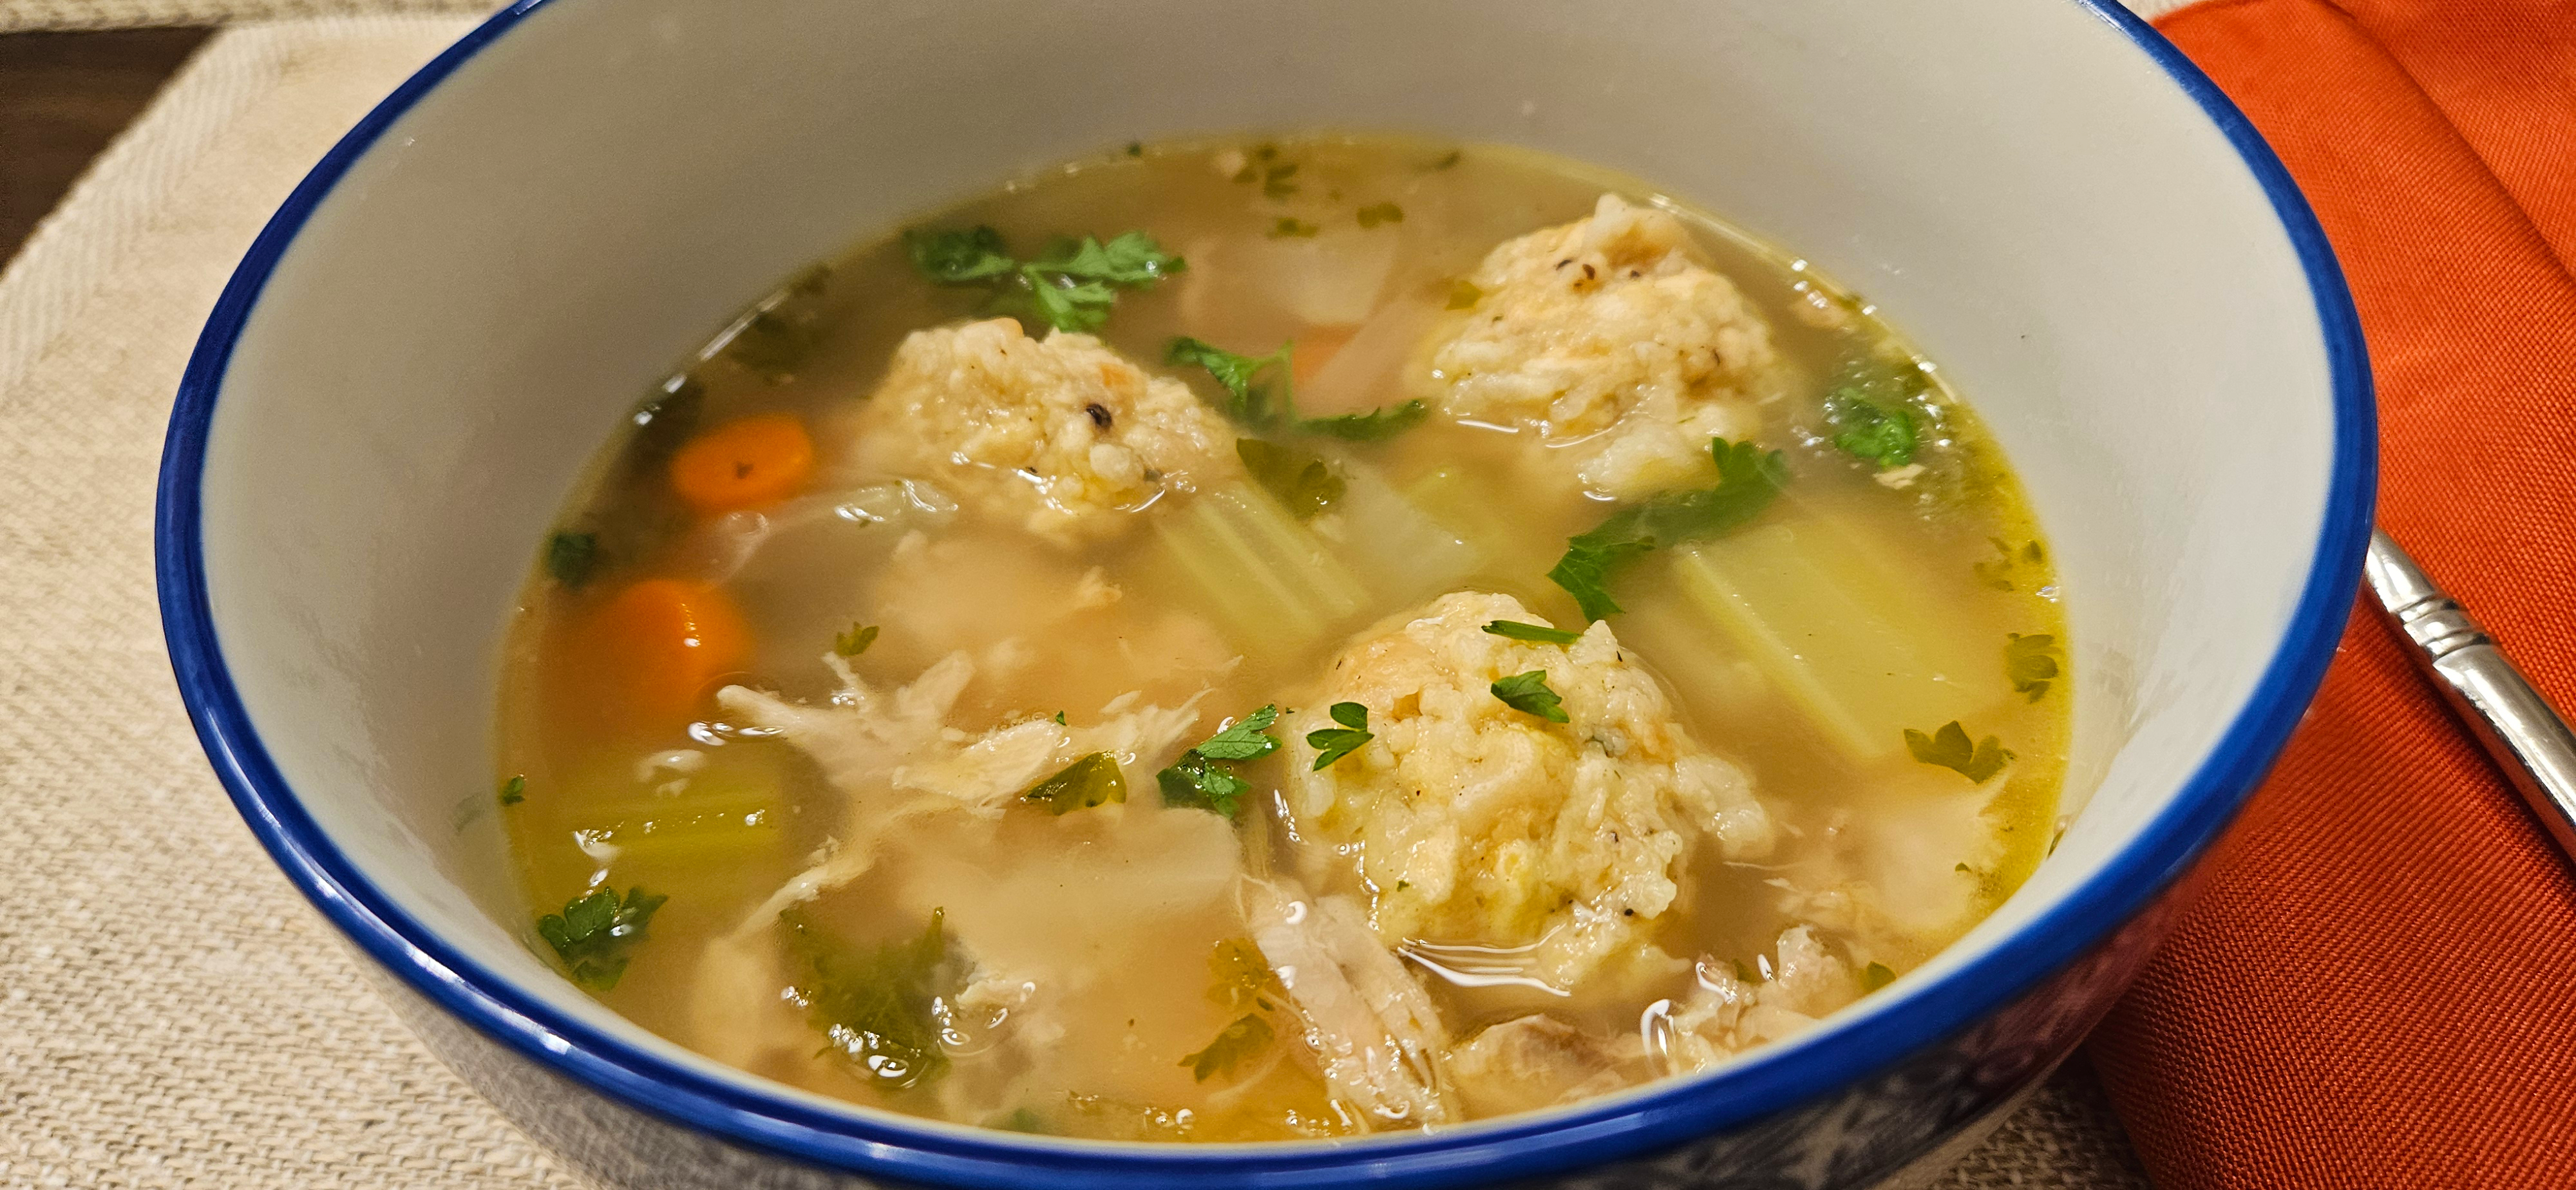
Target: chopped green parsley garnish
(1529, 694)
(1071, 287)
(1334, 743)
(1091, 781)
(1876, 976)
(1019, 1119)
(1135, 148)
(1871, 410)
(2031, 662)
(1747, 480)
(1949, 748)
(2003, 571)
(855, 641)
(1301, 479)
(1450, 159)
(1385, 212)
(1237, 1043)
(1248, 739)
(1059, 718)
(1541, 633)
(1204, 776)
(1373, 426)
(1261, 394)
(514, 790)
(1868, 430)
(1254, 406)
(1289, 227)
(1464, 295)
(571, 557)
(1275, 176)
(879, 1008)
(596, 934)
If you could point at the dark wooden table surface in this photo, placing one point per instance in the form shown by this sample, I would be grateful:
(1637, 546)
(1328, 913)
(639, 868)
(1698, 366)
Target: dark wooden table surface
(63, 97)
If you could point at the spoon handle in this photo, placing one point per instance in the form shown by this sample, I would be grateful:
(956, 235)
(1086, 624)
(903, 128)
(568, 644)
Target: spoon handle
(2527, 739)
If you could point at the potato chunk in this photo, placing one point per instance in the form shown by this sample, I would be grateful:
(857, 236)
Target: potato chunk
(1063, 436)
(1609, 337)
(1477, 823)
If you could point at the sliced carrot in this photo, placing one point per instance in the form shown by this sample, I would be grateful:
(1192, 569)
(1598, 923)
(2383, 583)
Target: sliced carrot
(1316, 348)
(747, 463)
(655, 651)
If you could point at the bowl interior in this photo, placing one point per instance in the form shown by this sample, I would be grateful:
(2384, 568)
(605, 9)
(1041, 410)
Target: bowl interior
(467, 313)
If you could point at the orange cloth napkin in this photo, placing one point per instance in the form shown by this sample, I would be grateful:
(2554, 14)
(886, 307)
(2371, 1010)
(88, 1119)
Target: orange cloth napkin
(2377, 984)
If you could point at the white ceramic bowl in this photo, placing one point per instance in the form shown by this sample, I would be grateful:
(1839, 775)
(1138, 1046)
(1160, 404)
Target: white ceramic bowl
(397, 390)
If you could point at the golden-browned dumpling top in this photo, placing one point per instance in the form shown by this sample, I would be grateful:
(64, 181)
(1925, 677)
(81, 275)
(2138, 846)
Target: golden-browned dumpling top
(1062, 435)
(1611, 340)
(1478, 823)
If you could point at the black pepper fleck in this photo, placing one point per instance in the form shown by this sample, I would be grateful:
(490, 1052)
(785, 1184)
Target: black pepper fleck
(1099, 415)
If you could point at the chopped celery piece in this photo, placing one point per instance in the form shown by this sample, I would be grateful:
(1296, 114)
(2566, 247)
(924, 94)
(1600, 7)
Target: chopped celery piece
(1839, 631)
(1400, 552)
(728, 811)
(1275, 585)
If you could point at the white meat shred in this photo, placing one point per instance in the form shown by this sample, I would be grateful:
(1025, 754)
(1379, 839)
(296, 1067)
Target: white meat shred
(1477, 823)
(1610, 338)
(1726, 1015)
(1063, 436)
(1368, 1024)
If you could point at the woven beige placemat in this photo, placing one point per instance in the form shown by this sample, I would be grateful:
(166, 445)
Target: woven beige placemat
(171, 1012)
(17, 15)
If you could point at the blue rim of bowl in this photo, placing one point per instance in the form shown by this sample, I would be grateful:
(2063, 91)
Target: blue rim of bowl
(1629, 1126)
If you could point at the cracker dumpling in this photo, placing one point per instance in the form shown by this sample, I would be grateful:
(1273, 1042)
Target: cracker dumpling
(1063, 435)
(1614, 342)
(1477, 823)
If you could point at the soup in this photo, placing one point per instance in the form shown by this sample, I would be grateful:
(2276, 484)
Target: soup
(1243, 641)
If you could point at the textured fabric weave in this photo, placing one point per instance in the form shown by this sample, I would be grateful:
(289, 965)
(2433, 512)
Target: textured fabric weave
(18, 15)
(171, 1012)
(2378, 986)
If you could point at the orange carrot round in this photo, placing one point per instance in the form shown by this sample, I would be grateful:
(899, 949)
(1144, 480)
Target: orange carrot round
(659, 647)
(757, 460)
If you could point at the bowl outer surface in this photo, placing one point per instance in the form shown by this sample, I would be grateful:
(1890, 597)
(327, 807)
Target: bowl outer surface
(417, 356)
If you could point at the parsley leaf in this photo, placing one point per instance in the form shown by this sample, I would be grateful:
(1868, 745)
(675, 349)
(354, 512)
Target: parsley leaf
(596, 933)
(514, 790)
(1866, 429)
(1236, 1043)
(1334, 743)
(2031, 663)
(1385, 212)
(1302, 480)
(955, 257)
(1254, 407)
(1541, 633)
(1204, 776)
(1093, 780)
(1876, 976)
(1529, 694)
(879, 1008)
(1747, 480)
(1289, 227)
(1072, 287)
(1130, 260)
(1374, 426)
(1464, 295)
(1195, 780)
(570, 557)
(1247, 739)
(1949, 748)
(855, 641)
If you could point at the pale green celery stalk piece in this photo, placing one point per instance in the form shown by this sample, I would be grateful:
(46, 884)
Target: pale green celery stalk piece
(726, 814)
(1841, 633)
(1398, 550)
(1276, 587)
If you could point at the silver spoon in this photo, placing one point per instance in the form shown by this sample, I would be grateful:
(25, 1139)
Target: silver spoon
(2527, 739)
